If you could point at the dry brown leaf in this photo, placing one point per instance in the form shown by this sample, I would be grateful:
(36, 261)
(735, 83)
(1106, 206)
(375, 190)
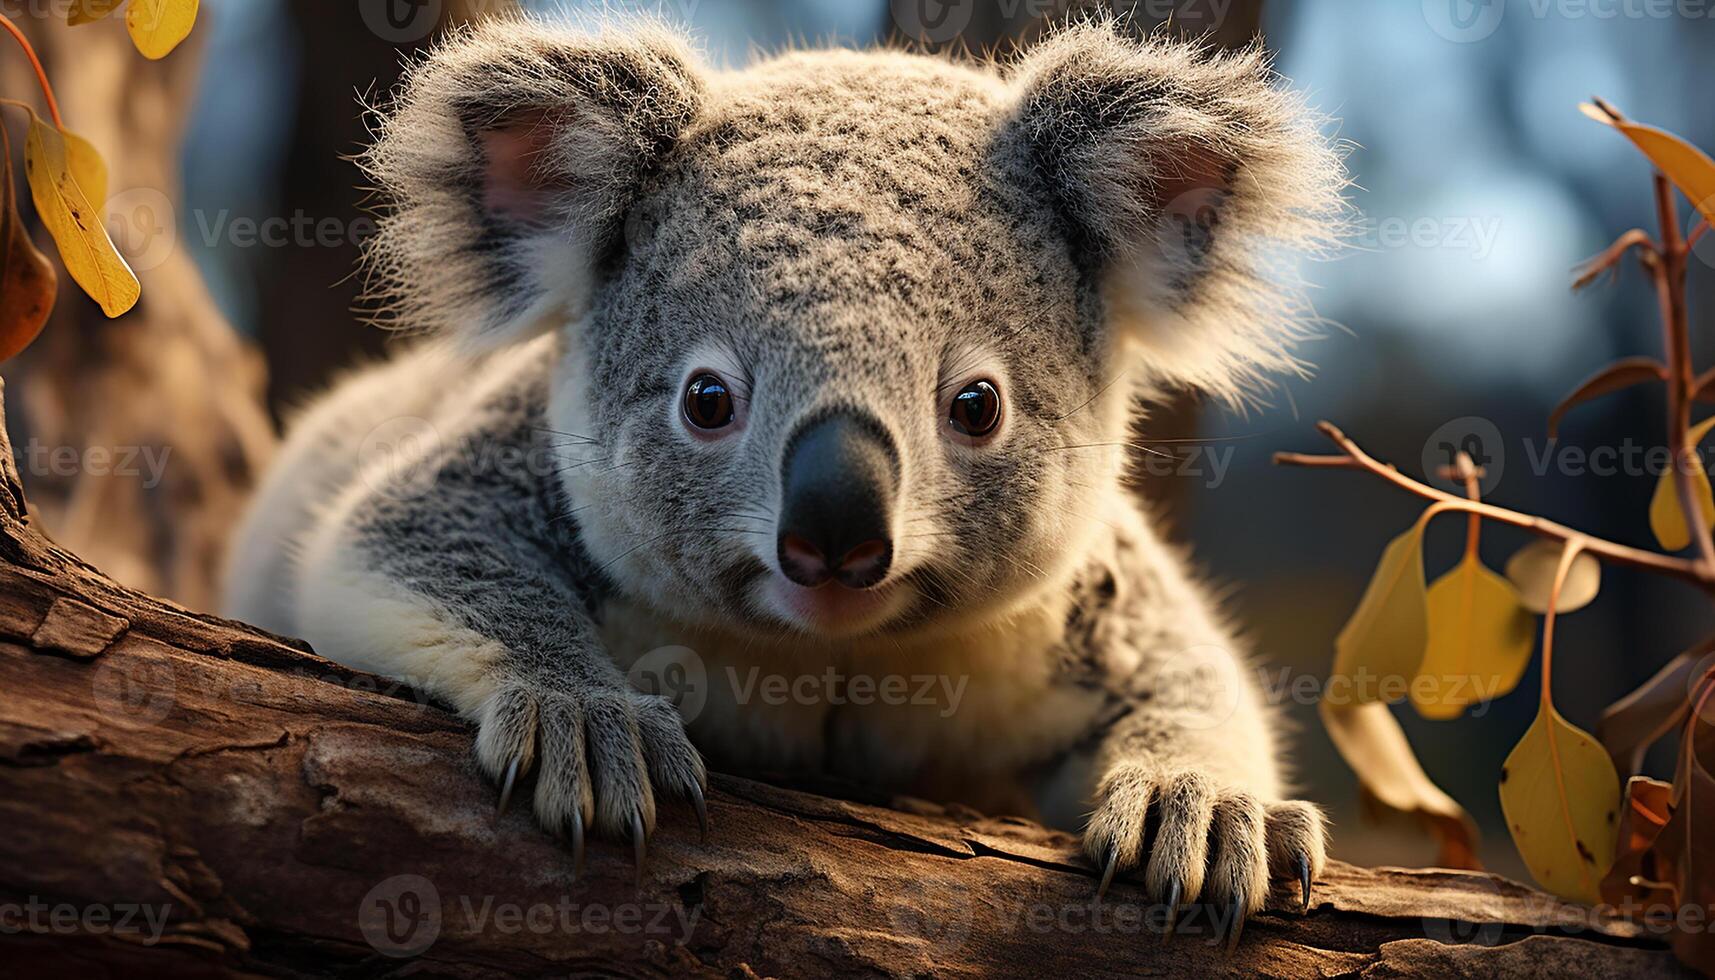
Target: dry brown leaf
(1689, 168)
(1531, 571)
(1629, 726)
(1635, 878)
(1615, 377)
(1372, 743)
(1686, 847)
(27, 279)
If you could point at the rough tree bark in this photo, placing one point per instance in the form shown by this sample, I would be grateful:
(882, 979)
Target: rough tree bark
(181, 793)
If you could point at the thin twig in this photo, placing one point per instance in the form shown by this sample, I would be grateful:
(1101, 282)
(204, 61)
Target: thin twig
(1610, 257)
(1357, 459)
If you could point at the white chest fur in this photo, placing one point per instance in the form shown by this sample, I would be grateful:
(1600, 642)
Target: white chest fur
(884, 712)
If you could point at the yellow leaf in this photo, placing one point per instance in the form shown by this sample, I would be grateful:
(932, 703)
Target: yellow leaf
(27, 278)
(1372, 743)
(84, 247)
(1666, 517)
(1532, 568)
(1384, 641)
(1480, 639)
(87, 168)
(90, 11)
(1689, 168)
(1561, 798)
(157, 26)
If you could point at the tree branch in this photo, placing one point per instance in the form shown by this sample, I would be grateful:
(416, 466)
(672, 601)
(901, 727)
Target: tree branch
(1356, 459)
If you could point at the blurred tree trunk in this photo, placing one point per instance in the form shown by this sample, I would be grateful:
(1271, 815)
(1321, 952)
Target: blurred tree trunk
(307, 295)
(140, 437)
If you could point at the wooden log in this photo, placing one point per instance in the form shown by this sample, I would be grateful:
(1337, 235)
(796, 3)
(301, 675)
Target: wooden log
(182, 793)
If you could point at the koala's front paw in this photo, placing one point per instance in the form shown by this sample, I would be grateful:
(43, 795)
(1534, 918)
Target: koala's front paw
(599, 757)
(1197, 840)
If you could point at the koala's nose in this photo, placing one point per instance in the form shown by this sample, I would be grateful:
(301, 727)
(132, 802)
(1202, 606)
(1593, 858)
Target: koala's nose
(838, 482)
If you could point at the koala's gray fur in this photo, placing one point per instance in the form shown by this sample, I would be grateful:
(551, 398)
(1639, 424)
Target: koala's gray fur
(513, 513)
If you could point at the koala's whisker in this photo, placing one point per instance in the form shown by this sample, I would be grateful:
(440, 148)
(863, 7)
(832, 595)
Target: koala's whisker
(1111, 445)
(570, 435)
(1092, 399)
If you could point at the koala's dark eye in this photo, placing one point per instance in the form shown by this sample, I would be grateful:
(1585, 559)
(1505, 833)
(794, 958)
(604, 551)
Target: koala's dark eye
(708, 402)
(976, 410)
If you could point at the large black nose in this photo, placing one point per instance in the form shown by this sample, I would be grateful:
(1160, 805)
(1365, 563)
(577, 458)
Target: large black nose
(839, 478)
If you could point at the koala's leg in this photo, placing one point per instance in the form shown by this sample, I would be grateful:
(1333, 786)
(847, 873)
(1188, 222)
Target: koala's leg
(1183, 779)
(464, 577)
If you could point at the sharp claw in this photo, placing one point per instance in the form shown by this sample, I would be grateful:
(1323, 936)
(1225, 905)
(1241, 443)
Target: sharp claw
(1174, 889)
(506, 789)
(1304, 879)
(638, 843)
(577, 842)
(1237, 911)
(1108, 874)
(702, 811)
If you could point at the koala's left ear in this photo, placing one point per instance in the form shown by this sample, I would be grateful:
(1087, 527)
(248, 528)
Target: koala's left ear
(1180, 176)
(508, 162)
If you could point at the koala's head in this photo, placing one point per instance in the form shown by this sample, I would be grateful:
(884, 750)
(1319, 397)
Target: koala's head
(854, 337)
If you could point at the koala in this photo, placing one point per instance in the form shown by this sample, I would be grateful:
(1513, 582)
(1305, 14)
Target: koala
(823, 368)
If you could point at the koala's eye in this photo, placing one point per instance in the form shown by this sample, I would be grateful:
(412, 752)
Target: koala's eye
(976, 410)
(708, 402)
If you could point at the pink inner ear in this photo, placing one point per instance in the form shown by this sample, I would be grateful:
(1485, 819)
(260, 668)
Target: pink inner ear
(1190, 183)
(516, 180)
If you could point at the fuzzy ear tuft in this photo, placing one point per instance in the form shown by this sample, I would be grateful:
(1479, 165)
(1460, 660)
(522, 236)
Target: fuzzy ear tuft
(507, 161)
(1187, 178)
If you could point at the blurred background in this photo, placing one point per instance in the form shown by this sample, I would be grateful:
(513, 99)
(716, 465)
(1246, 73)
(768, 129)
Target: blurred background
(1479, 189)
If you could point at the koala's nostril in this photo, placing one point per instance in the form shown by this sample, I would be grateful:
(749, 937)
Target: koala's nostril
(865, 565)
(838, 482)
(803, 562)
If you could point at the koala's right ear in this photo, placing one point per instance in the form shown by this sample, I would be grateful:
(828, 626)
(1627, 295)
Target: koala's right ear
(507, 164)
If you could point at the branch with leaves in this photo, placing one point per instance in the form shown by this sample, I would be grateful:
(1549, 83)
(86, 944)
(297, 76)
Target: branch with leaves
(68, 185)
(1467, 637)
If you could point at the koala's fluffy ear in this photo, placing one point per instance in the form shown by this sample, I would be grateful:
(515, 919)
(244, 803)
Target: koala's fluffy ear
(507, 164)
(1181, 175)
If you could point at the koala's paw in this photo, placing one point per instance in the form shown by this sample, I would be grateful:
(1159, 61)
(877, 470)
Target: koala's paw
(599, 758)
(1196, 840)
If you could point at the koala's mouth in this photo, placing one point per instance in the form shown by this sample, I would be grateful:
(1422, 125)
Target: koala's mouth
(832, 610)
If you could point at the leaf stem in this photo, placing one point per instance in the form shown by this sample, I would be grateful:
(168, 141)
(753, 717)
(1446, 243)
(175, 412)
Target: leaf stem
(36, 63)
(1669, 276)
(1696, 573)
